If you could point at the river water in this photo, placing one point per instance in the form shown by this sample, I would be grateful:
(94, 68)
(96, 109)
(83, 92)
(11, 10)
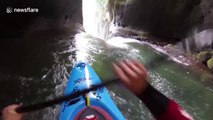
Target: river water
(36, 67)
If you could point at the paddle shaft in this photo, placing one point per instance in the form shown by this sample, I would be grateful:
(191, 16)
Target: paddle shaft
(41, 105)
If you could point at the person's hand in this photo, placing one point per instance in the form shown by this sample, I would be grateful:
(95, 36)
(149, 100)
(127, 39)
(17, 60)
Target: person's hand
(9, 113)
(133, 75)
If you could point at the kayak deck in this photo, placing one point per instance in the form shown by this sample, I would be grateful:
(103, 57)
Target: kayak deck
(96, 103)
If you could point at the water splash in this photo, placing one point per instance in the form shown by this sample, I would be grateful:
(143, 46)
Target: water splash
(121, 42)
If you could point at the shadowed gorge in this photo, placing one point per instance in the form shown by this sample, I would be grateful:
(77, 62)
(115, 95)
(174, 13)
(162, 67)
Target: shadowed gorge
(38, 50)
(51, 15)
(167, 19)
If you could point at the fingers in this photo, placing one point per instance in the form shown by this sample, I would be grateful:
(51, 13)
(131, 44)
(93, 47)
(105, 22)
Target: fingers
(9, 113)
(119, 72)
(141, 67)
(130, 70)
(127, 70)
(11, 109)
(133, 67)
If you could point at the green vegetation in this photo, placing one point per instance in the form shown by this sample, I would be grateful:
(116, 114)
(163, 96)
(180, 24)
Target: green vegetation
(204, 56)
(210, 63)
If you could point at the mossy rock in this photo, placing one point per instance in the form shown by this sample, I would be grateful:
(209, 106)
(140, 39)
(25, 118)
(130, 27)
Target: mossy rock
(170, 45)
(210, 63)
(204, 56)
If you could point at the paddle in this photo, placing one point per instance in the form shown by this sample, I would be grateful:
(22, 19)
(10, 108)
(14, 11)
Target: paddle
(41, 105)
(58, 100)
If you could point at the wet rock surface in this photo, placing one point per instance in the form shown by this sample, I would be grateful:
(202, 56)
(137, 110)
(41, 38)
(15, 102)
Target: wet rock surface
(186, 25)
(190, 59)
(175, 19)
(207, 10)
(166, 19)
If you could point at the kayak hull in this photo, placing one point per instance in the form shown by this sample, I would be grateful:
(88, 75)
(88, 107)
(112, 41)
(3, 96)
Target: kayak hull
(83, 77)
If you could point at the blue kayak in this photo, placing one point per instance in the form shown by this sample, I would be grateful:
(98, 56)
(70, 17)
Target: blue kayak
(96, 105)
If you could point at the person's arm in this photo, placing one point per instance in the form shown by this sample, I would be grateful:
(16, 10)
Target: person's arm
(162, 107)
(9, 113)
(134, 76)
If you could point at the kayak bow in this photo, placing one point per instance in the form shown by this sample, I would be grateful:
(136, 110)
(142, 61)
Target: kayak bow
(95, 105)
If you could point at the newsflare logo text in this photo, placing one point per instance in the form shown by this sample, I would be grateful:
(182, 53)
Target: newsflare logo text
(21, 10)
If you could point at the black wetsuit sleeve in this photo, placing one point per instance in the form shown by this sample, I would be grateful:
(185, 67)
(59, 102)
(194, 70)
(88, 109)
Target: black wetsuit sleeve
(155, 101)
